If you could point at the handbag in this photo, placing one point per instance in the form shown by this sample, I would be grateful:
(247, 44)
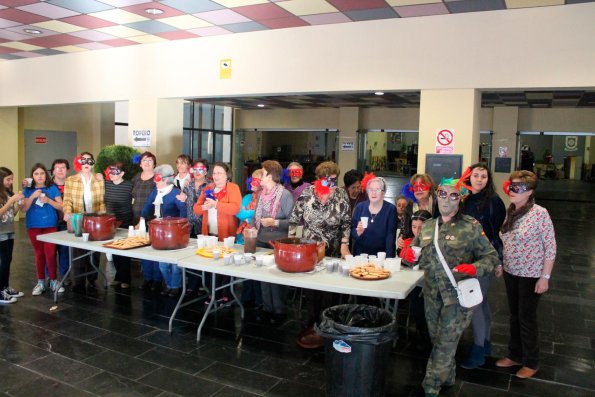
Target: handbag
(468, 290)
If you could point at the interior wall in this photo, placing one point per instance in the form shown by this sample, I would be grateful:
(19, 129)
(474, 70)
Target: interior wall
(438, 58)
(94, 123)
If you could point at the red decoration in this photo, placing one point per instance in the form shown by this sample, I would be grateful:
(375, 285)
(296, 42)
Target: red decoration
(367, 178)
(320, 189)
(506, 187)
(106, 173)
(76, 163)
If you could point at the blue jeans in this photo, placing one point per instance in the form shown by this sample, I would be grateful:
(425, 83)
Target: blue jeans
(151, 270)
(171, 274)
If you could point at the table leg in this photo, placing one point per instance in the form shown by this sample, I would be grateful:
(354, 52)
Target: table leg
(65, 275)
(235, 297)
(178, 305)
(96, 267)
(209, 307)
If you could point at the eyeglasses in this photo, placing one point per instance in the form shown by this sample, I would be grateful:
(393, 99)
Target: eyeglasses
(115, 171)
(376, 191)
(147, 161)
(444, 194)
(87, 160)
(519, 187)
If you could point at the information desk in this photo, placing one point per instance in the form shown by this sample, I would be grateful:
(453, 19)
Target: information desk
(396, 287)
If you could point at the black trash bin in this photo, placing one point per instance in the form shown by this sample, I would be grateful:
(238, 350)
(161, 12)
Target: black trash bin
(357, 345)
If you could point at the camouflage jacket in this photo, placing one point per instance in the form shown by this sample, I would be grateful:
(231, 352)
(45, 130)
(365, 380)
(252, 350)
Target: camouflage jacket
(462, 241)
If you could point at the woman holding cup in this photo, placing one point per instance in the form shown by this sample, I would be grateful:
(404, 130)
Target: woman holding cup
(374, 222)
(42, 203)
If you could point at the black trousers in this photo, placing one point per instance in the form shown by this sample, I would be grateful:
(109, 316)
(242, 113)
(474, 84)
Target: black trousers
(5, 259)
(83, 265)
(122, 265)
(523, 346)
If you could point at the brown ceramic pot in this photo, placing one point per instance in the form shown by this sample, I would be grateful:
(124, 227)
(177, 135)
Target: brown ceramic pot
(169, 233)
(295, 255)
(100, 226)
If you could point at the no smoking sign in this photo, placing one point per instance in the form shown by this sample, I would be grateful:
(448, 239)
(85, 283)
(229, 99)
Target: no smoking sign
(445, 141)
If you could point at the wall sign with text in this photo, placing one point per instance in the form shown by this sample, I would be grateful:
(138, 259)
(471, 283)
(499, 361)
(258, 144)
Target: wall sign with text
(141, 138)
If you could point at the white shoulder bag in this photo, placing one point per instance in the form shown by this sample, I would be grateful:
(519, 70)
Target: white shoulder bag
(468, 290)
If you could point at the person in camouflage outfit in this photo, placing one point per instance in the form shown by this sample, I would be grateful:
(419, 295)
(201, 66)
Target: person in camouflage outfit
(468, 253)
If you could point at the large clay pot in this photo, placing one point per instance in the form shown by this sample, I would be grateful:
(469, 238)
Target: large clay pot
(295, 255)
(100, 226)
(169, 233)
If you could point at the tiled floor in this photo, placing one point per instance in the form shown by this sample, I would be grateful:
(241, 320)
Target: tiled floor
(115, 344)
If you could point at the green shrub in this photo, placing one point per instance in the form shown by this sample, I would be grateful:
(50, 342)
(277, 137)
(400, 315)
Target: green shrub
(109, 154)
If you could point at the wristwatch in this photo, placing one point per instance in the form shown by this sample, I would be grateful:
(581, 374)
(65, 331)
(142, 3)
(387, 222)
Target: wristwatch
(546, 276)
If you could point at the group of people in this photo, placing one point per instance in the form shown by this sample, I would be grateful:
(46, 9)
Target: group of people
(472, 233)
(463, 220)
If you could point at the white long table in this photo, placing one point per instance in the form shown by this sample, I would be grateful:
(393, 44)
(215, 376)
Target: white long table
(146, 253)
(397, 287)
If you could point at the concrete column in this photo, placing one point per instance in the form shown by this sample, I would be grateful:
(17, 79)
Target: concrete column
(456, 110)
(505, 127)
(164, 118)
(348, 125)
(9, 150)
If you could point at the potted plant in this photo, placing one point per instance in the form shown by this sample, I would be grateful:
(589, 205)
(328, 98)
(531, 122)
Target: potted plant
(112, 153)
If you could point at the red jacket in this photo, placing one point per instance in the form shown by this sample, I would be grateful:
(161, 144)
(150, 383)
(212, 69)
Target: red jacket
(227, 208)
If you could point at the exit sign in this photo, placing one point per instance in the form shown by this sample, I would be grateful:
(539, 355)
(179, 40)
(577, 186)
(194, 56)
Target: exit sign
(41, 139)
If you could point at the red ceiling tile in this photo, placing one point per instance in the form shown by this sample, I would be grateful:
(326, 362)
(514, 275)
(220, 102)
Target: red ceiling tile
(22, 16)
(58, 40)
(119, 42)
(17, 3)
(7, 50)
(349, 5)
(280, 23)
(87, 21)
(176, 35)
(139, 9)
(259, 12)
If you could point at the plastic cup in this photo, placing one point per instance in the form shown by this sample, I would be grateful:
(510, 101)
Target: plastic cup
(227, 259)
(215, 254)
(381, 255)
(237, 259)
(85, 236)
(259, 260)
(416, 251)
(29, 181)
(364, 221)
(200, 242)
(131, 232)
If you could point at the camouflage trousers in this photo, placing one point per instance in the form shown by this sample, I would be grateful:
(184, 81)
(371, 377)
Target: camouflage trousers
(445, 325)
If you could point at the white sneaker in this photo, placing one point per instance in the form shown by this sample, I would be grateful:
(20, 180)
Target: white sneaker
(13, 292)
(38, 290)
(6, 299)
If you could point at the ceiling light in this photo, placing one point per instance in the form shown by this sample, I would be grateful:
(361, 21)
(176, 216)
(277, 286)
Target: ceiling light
(379, 93)
(154, 11)
(33, 31)
(261, 105)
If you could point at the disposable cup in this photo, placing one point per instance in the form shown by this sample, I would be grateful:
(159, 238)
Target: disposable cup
(364, 221)
(416, 251)
(85, 236)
